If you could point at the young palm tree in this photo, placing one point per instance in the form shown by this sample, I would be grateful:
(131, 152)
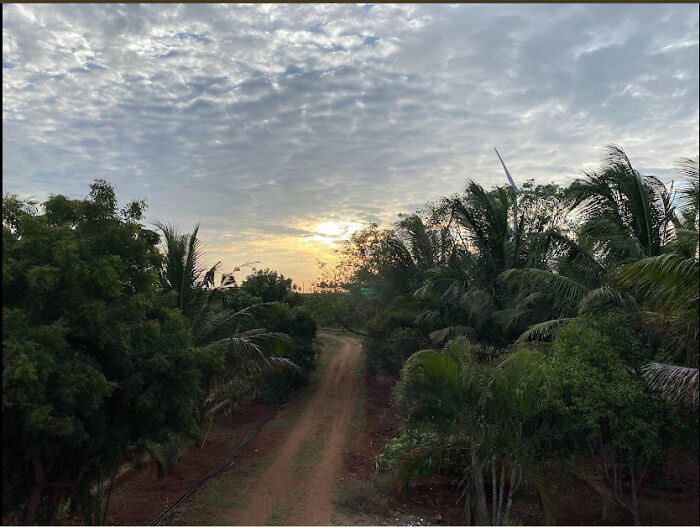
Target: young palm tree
(488, 416)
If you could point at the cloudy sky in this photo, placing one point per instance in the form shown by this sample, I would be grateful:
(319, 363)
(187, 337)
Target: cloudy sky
(281, 128)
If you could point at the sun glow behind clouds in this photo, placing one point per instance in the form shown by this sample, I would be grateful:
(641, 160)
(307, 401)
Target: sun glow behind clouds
(333, 232)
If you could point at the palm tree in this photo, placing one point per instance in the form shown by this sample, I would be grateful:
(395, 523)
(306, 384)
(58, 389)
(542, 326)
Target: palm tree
(685, 221)
(485, 217)
(545, 296)
(668, 287)
(660, 288)
(490, 417)
(460, 293)
(243, 348)
(626, 217)
(627, 214)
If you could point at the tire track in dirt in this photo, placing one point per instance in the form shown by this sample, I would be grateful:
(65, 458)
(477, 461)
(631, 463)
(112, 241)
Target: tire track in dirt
(305, 493)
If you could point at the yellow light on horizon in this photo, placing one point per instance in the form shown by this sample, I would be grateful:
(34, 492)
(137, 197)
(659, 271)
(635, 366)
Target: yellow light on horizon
(332, 232)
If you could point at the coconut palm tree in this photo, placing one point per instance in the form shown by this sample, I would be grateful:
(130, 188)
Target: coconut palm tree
(232, 349)
(627, 214)
(669, 286)
(660, 288)
(460, 293)
(626, 217)
(685, 221)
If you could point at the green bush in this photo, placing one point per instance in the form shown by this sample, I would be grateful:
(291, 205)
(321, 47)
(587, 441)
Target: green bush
(603, 409)
(396, 451)
(600, 397)
(301, 327)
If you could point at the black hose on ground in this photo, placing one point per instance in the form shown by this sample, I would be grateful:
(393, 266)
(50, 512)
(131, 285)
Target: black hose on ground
(224, 465)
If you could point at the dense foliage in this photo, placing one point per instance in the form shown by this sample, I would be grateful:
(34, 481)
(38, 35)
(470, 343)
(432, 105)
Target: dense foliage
(95, 361)
(603, 408)
(596, 284)
(113, 348)
(532, 331)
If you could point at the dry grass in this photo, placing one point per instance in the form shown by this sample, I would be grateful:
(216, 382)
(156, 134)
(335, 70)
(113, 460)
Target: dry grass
(369, 496)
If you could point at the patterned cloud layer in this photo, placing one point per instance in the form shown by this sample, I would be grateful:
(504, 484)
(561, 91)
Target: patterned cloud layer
(265, 121)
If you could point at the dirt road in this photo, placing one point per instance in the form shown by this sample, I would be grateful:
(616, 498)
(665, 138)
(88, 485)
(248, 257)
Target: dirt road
(298, 486)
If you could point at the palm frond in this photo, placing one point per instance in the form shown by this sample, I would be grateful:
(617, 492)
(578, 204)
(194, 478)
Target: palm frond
(670, 282)
(557, 286)
(607, 295)
(677, 384)
(543, 330)
(450, 332)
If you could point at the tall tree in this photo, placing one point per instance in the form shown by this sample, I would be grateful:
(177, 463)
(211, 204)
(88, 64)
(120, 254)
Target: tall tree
(626, 213)
(95, 362)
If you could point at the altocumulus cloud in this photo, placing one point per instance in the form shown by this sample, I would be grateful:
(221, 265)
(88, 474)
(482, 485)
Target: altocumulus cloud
(264, 121)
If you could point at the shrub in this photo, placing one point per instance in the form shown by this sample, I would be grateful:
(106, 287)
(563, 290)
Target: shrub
(389, 357)
(603, 407)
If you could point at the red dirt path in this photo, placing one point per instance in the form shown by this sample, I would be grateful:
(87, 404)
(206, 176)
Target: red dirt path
(326, 421)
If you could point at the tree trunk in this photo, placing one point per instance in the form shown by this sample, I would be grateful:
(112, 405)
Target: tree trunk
(482, 513)
(499, 517)
(494, 479)
(636, 516)
(511, 490)
(635, 501)
(56, 505)
(109, 496)
(35, 495)
(604, 511)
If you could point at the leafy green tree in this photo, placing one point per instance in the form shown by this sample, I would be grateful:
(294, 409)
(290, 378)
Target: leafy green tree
(269, 286)
(95, 361)
(328, 308)
(299, 325)
(603, 409)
